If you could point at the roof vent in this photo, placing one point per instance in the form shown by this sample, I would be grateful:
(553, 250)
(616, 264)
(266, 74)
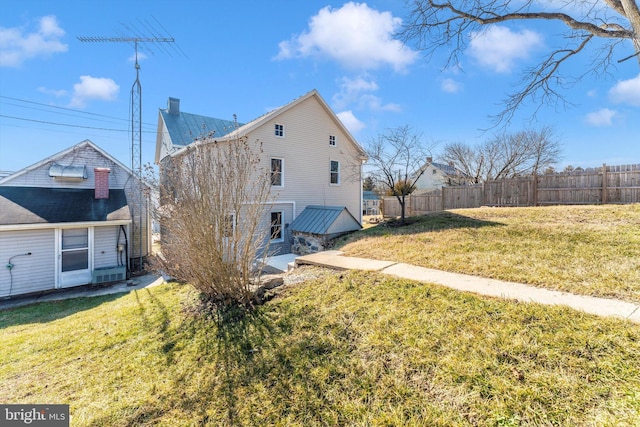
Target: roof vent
(174, 106)
(68, 173)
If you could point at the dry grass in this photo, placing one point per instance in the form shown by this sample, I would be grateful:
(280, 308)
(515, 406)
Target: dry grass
(353, 349)
(590, 250)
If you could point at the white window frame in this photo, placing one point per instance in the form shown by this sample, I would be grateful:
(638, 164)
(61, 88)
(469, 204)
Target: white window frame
(281, 185)
(331, 172)
(278, 130)
(332, 141)
(281, 225)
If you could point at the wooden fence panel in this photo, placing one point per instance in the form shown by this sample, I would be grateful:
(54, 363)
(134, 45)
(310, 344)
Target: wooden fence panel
(509, 192)
(608, 184)
(570, 189)
(623, 184)
(462, 197)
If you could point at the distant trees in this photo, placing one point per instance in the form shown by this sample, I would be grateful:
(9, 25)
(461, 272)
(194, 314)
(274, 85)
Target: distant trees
(212, 211)
(396, 160)
(450, 24)
(369, 184)
(505, 156)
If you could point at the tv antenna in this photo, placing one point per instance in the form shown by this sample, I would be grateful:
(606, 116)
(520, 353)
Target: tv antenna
(138, 203)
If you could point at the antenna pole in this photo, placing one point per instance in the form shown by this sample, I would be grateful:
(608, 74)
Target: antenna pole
(138, 200)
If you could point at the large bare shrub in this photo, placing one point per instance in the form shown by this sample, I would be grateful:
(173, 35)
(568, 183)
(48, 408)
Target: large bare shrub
(213, 199)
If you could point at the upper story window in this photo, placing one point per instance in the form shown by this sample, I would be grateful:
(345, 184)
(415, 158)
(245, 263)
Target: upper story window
(335, 172)
(332, 140)
(279, 130)
(277, 172)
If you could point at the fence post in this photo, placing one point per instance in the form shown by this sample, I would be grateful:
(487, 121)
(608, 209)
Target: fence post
(604, 184)
(535, 189)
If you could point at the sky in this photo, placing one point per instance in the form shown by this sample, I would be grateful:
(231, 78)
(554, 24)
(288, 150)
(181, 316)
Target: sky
(245, 58)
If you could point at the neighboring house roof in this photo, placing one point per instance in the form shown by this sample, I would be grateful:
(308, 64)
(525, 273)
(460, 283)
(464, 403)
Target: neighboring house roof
(446, 169)
(325, 220)
(32, 205)
(370, 195)
(247, 128)
(62, 153)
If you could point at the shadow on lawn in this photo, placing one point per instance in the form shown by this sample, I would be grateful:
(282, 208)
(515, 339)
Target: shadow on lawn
(236, 360)
(431, 222)
(47, 311)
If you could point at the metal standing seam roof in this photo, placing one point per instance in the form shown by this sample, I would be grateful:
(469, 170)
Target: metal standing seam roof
(370, 195)
(184, 128)
(318, 219)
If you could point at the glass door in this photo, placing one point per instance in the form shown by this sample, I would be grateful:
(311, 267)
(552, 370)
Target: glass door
(74, 257)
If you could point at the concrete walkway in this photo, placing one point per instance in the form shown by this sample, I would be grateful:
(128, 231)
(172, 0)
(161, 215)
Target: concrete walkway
(140, 282)
(478, 285)
(336, 260)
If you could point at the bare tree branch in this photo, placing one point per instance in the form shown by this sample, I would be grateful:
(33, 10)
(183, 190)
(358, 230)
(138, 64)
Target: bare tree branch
(438, 25)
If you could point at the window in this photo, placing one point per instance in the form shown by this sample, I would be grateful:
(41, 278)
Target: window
(229, 225)
(276, 225)
(75, 249)
(335, 172)
(332, 140)
(276, 172)
(279, 130)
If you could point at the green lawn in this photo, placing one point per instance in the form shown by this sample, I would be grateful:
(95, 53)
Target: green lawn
(589, 250)
(361, 349)
(353, 348)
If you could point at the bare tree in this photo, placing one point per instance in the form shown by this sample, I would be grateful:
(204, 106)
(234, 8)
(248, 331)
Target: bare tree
(396, 161)
(447, 24)
(213, 202)
(506, 156)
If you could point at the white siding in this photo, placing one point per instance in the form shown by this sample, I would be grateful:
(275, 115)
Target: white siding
(307, 154)
(105, 251)
(83, 155)
(33, 273)
(119, 178)
(432, 178)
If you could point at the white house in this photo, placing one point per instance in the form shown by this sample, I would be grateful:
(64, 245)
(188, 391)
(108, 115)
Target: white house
(66, 221)
(315, 161)
(437, 175)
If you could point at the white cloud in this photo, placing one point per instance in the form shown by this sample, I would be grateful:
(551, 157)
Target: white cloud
(350, 121)
(93, 88)
(626, 92)
(57, 93)
(17, 46)
(602, 117)
(355, 35)
(498, 47)
(359, 92)
(451, 86)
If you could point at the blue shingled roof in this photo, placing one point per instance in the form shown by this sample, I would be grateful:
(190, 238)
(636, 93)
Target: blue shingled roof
(184, 128)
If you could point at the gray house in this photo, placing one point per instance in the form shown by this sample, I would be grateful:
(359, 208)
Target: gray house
(66, 221)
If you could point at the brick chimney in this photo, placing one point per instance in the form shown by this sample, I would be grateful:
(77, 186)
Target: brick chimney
(102, 182)
(429, 159)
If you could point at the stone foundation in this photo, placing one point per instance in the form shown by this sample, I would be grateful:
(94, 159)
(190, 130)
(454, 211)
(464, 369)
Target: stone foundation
(304, 243)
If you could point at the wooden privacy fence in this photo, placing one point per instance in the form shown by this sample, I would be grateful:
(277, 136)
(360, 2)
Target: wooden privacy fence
(609, 184)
